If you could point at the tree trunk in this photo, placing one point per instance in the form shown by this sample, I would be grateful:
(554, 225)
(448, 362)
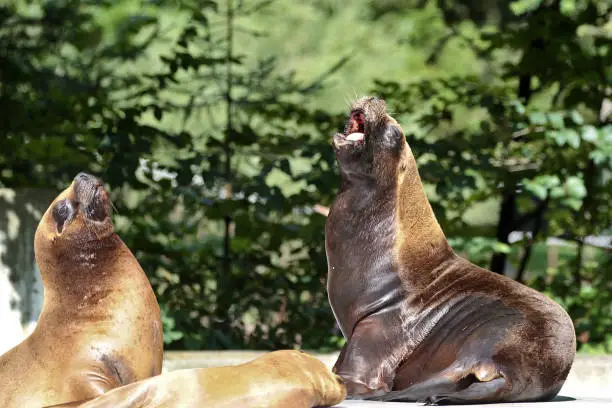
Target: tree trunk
(507, 212)
(539, 218)
(504, 228)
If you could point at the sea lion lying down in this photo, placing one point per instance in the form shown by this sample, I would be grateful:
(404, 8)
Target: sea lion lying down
(280, 379)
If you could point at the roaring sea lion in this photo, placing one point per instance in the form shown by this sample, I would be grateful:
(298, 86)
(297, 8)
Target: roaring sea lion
(100, 325)
(281, 379)
(422, 323)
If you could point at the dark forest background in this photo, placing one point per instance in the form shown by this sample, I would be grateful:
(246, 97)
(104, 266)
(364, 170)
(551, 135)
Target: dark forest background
(210, 121)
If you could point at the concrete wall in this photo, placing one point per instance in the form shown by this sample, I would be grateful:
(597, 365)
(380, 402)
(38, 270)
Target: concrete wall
(21, 292)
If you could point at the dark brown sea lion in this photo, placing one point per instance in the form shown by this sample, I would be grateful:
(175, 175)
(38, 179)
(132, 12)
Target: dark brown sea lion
(422, 323)
(281, 379)
(100, 325)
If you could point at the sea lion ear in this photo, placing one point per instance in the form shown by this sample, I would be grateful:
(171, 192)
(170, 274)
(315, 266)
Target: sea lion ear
(63, 211)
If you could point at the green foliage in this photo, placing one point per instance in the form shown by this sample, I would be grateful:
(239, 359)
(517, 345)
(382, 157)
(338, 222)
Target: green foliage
(210, 121)
(214, 161)
(584, 291)
(64, 97)
(234, 249)
(170, 333)
(477, 249)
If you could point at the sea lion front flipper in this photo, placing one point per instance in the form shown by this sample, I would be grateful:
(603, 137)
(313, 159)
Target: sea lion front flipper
(366, 362)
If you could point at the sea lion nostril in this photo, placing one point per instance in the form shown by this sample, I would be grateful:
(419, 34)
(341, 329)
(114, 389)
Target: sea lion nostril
(87, 180)
(87, 188)
(82, 176)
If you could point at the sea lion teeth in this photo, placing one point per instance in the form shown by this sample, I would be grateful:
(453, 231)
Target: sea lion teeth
(355, 137)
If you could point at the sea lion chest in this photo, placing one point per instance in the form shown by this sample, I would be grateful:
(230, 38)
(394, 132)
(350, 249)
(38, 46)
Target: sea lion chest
(362, 270)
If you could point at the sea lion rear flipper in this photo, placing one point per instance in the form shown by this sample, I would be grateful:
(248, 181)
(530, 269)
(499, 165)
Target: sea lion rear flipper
(421, 391)
(475, 392)
(442, 390)
(364, 362)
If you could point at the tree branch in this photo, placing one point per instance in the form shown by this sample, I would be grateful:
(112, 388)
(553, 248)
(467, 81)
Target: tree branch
(577, 270)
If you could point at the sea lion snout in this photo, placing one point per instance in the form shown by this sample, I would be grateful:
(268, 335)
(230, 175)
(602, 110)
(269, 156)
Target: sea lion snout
(372, 144)
(368, 115)
(79, 211)
(368, 119)
(374, 109)
(90, 193)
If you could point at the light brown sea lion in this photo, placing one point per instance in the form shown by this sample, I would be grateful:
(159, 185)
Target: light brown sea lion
(281, 379)
(422, 323)
(100, 325)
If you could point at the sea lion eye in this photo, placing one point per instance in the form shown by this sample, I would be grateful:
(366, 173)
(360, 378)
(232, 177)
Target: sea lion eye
(62, 212)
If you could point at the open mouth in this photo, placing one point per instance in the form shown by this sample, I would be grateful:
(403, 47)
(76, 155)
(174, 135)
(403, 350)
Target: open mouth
(355, 127)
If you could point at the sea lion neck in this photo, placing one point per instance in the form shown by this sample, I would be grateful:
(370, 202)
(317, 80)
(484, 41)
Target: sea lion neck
(359, 235)
(420, 242)
(75, 272)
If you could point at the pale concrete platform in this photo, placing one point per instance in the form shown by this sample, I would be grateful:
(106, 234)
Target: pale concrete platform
(588, 384)
(561, 402)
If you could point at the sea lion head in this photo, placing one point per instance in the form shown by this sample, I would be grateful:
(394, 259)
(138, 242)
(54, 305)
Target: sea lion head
(76, 220)
(373, 145)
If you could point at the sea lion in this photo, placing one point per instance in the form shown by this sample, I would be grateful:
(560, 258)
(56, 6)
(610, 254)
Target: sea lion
(280, 379)
(422, 323)
(100, 325)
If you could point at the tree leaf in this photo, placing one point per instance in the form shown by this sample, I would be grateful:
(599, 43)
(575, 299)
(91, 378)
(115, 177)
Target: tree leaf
(589, 133)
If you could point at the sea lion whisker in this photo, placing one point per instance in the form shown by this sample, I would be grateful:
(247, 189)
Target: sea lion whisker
(112, 206)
